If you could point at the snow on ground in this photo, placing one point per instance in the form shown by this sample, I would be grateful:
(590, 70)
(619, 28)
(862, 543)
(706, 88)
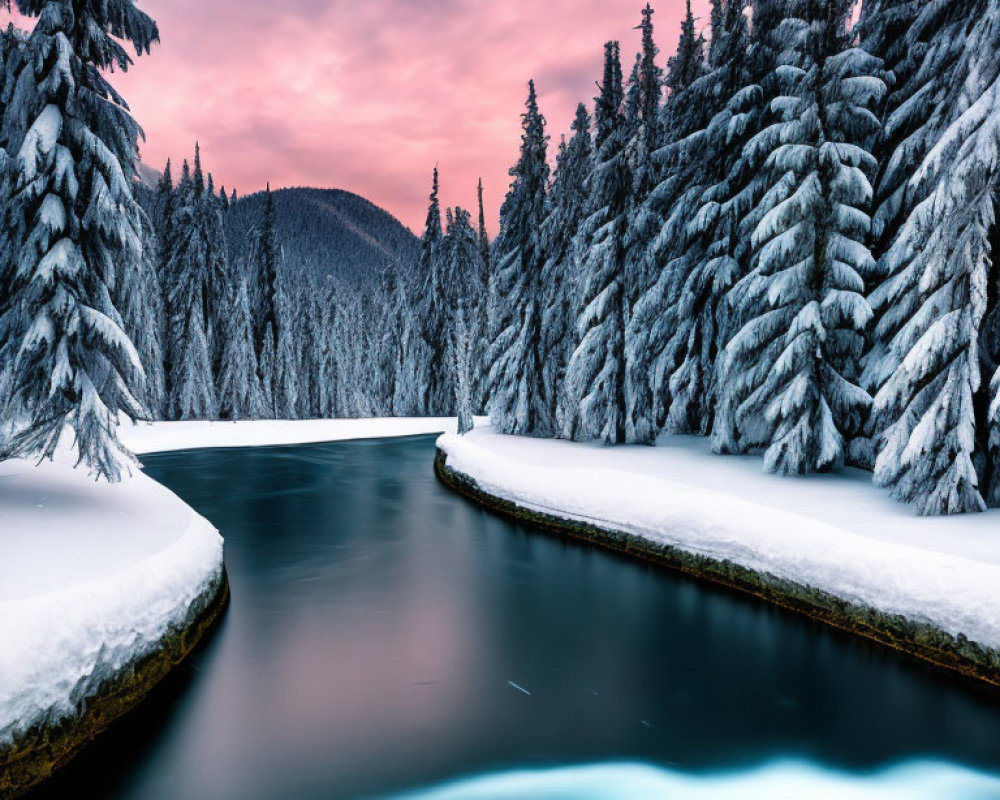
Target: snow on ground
(158, 437)
(832, 532)
(92, 575)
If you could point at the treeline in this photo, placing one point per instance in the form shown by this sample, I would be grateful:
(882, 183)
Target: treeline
(236, 336)
(233, 336)
(783, 242)
(327, 233)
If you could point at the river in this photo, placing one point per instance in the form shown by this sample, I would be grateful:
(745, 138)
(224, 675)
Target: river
(387, 638)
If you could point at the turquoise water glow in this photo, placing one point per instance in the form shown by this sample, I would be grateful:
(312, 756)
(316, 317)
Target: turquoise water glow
(917, 781)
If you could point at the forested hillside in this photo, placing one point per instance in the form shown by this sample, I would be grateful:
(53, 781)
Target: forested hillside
(327, 233)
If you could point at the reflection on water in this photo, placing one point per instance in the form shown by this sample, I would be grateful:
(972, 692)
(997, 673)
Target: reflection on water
(382, 630)
(918, 781)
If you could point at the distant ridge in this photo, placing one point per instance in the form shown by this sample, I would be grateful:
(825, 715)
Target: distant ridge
(327, 233)
(147, 175)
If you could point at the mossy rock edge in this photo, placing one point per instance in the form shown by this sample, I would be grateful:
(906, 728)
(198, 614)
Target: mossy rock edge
(37, 753)
(917, 639)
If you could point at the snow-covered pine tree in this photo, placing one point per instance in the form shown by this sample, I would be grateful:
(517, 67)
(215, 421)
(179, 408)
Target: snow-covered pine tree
(192, 384)
(262, 267)
(411, 352)
(327, 376)
(937, 266)
(265, 260)
(210, 239)
(484, 239)
(481, 314)
(78, 223)
(700, 272)
(349, 332)
(595, 376)
(140, 298)
(643, 218)
(896, 31)
(300, 300)
(268, 356)
(462, 348)
(12, 60)
(383, 349)
(796, 356)
(433, 273)
(163, 223)
(240, 395)
(517, 404)
(285, 390)
(652, 235)
(560, 272)
(688, 64)
(463, 251)
(312, 346)
(655, 228)
(738, 195)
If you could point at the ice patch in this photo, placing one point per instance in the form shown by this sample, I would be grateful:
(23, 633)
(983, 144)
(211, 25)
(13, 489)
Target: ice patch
(781, 781)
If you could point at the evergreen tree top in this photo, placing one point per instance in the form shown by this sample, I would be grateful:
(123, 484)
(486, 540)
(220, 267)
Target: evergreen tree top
(573, 160)
(716, 22)
(199, 177)
(523, 206)
(608, 104)
(533, 139)
(166, 182)
(728, 53)
(650, 75)
(633, 96)
(483, 237)
(531, 172)
(581, 121)
(688, 64)
(432, 226)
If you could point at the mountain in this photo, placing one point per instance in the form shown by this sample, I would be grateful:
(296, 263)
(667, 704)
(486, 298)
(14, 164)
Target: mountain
(327, 233)
(146, 175)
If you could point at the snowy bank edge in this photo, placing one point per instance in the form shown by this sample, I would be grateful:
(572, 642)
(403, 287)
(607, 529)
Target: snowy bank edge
(56, 738)
(161, 437)
(458, 468)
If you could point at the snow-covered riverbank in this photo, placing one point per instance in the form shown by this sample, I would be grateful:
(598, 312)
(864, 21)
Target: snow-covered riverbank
(162, 436)
(97, 581)
(92, 576)
(832, 533)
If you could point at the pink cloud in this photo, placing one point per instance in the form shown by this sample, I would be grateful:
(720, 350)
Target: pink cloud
(368, 96)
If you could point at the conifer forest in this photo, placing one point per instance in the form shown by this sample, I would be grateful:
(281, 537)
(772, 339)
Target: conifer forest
(779, 237)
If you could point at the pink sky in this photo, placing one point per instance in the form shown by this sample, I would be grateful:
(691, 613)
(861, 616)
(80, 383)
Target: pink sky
(367, 95)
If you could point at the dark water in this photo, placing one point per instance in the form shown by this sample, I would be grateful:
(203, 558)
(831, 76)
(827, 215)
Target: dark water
(378, 624)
